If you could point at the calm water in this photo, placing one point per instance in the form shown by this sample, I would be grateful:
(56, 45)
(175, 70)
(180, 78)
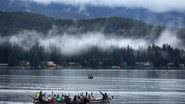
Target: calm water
(127, 86)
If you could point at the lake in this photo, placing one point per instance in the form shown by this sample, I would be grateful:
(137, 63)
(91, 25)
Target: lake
(127, 86)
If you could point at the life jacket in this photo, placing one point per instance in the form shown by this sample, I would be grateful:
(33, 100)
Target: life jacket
(58, 99)
(37, 94)
(51, 101)
(49, 98)
(62, 99)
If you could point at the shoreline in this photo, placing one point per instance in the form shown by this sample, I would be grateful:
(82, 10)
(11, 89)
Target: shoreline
(84, 68)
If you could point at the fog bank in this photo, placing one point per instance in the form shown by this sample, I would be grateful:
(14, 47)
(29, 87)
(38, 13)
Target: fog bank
(153, 5)
(73, 44)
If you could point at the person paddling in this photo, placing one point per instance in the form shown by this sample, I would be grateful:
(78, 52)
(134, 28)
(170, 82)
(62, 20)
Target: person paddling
(104, 96)
(40, 98)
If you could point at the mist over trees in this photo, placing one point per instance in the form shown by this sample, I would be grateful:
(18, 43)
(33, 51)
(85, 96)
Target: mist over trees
(14, 22)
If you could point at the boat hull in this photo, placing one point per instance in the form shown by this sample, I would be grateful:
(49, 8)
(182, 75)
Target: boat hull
(91, 102)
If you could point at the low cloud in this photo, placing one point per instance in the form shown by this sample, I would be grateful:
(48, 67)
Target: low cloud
(70, 44)
(169, 37)
(153, 5)
(74, 44)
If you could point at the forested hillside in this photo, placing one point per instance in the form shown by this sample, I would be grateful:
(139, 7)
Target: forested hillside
(66, 11)
(11, 23)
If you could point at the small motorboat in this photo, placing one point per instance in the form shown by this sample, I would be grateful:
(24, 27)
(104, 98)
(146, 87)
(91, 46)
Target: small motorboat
(90, 76)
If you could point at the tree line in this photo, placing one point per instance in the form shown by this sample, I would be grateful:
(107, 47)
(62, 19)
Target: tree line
(94, 58)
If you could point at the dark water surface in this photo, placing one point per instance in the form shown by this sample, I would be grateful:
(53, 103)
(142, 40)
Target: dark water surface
(127, 86)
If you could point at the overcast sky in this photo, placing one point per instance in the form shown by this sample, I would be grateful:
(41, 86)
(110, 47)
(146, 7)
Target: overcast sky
(154, 5)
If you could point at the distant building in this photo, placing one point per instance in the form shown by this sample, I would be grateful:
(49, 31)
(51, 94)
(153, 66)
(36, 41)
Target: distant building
(147, 64)
(139, 64)
(2, 65)
(51, 64)
(144, 64)
(74, 65)
(171, 64)
(115, 67)
(181, 66)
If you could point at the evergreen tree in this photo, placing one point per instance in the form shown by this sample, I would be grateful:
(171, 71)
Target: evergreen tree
(34, 56)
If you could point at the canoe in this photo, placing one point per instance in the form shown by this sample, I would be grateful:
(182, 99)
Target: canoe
(104, 100)
(100, 101)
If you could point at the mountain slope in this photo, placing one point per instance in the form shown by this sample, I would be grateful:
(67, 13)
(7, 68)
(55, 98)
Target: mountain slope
(13, 22)
(171, 19)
